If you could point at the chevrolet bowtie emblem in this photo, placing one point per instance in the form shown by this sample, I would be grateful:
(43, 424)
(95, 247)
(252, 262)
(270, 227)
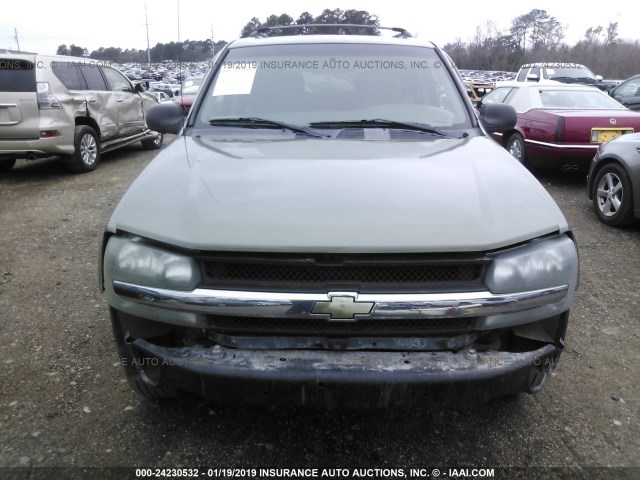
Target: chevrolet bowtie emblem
(342, 307)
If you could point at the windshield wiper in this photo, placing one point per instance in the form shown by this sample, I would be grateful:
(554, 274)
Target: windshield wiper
(381, 123)
(564, 79)
(257, 122)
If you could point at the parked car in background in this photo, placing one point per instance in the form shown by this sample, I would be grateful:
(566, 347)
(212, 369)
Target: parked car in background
(162, 97)
(628, 93)
(562, 72)
(560, 126)
(328, 237)
(486, 76)
(73, 108)
(188, 93)
(614, 181)
(170, 89)
(151, 75)
(167, 91)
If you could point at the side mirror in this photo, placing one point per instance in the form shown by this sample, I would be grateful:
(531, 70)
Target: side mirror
(532, 77)
(165, 117)
(497, 117)
(599, 78)
(139, 87)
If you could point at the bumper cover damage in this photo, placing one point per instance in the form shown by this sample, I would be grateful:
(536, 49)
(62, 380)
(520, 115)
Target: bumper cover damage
(328, 379)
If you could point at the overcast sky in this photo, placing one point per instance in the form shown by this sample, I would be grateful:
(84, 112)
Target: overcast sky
(42, 26)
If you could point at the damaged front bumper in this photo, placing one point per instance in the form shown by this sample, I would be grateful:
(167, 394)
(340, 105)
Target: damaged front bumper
(328, 378)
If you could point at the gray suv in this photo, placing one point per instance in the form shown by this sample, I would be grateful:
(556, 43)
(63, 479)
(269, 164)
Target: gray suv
(333, 226)
(74, 108)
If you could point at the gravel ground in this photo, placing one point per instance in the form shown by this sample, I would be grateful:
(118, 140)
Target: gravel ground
(64, 401)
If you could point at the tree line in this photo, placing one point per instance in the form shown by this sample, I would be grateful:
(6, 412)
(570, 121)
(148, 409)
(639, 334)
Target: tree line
(536, 36)
(185, 51)
(203, 50)
(337, 16)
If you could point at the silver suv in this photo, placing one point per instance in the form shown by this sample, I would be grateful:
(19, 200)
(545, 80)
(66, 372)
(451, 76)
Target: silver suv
(74, 108)
(335, 227)
(562, 72)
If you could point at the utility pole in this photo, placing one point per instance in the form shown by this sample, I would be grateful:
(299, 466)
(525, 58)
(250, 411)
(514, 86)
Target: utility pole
(17, 41)
(146, 22)
(179, 47)
(213, 45)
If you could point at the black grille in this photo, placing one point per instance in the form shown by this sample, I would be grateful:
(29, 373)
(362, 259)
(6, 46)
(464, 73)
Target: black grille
(294, 273)
(313, 326)
(365, 272)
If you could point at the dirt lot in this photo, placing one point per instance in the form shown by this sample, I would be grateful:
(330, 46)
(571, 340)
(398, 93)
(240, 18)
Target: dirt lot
(64, 401)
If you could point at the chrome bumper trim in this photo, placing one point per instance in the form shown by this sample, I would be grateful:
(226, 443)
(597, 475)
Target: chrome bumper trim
(561, 146)
(300, 305)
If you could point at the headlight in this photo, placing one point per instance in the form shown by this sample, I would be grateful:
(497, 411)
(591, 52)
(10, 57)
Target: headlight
(132, 261)
(543, 264)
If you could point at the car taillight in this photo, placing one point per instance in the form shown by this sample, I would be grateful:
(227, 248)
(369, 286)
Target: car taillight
(46, 100)
(560, 130)
(49, 133)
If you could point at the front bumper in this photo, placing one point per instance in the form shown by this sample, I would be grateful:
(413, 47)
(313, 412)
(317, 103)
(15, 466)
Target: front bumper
(329, 378)
(345, 379)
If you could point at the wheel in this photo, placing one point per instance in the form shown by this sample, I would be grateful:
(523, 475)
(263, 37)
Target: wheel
(6, 165)
(86, 156)
(153, 143)
(612, 195)
(516, 147)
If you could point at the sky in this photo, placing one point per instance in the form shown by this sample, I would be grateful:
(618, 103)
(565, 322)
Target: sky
(42, 26)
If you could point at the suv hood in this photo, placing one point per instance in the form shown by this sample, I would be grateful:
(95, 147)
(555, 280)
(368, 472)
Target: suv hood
(314, 195)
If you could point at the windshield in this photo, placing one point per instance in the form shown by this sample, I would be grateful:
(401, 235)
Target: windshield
(582, 73)
(193, 89)
(316, 83)
(577, 99)
(191, 85)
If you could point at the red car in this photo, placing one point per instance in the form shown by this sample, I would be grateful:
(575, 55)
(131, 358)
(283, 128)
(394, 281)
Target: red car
(561, 126)
(188, 93)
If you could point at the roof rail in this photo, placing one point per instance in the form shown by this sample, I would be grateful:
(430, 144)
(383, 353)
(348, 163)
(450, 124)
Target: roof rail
(262, 31)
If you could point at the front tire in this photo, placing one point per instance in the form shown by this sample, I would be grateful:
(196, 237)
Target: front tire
(86, 156)
(612, 196)
(516, 147)
(153, 143)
